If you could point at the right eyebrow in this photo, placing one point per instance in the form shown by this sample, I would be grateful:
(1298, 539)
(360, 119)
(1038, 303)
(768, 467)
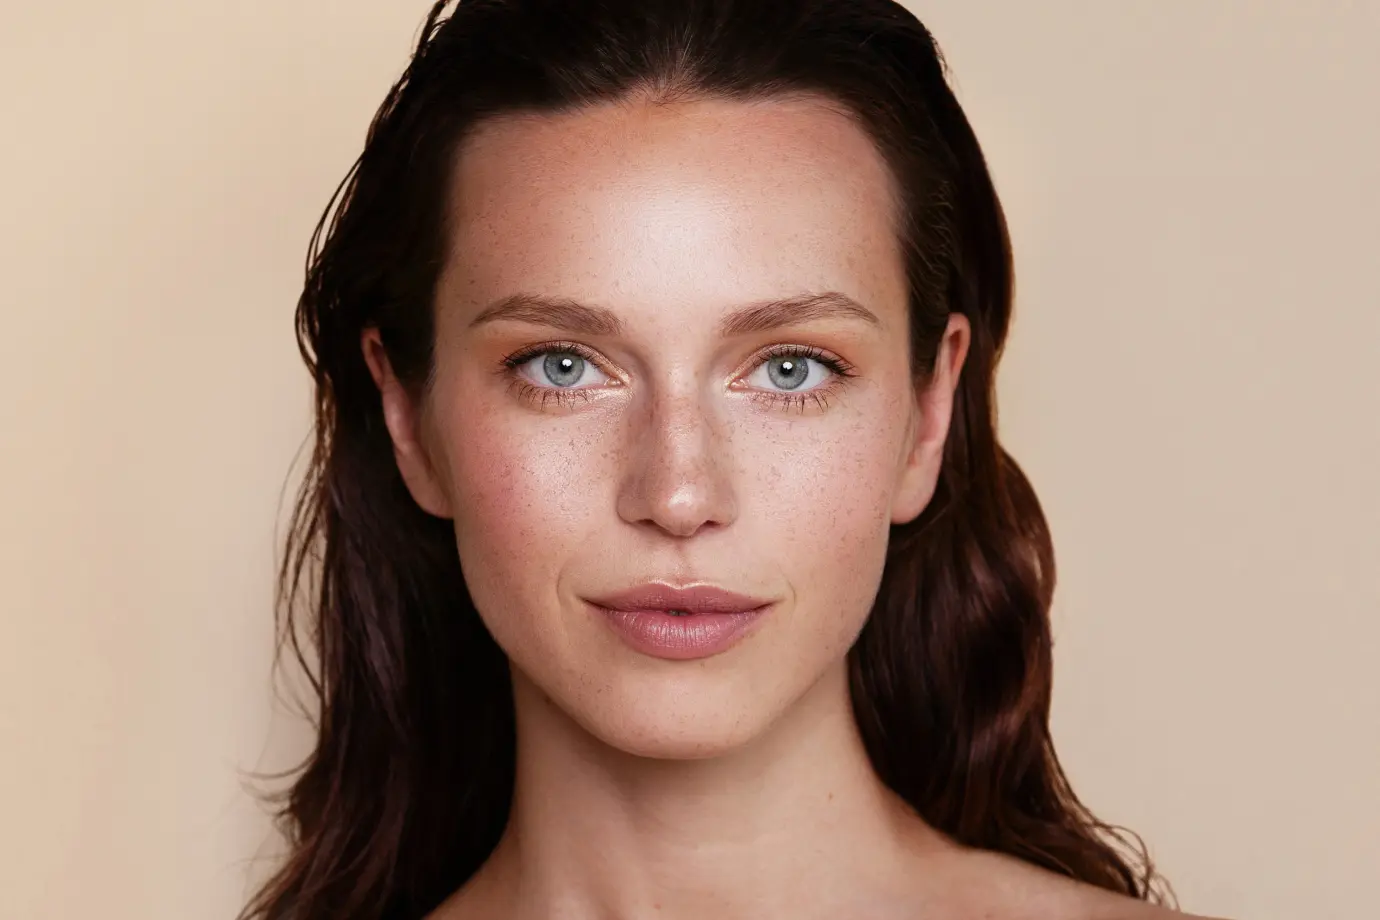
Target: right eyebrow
(558, 312)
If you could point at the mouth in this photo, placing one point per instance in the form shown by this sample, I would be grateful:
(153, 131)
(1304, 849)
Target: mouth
(680, 601)
(675, 623)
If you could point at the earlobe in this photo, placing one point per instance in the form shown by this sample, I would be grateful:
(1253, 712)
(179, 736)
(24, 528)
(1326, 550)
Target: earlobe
(929, 427)
(919, 473)
(403, 419)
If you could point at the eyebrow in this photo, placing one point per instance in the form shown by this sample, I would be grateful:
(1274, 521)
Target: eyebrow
(586, 319)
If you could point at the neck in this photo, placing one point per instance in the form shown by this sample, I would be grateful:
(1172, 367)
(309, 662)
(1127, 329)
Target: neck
(792, 823)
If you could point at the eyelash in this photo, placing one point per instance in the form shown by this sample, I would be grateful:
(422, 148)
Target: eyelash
(568, 396)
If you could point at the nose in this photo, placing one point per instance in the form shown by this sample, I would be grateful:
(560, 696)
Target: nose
(678, 469)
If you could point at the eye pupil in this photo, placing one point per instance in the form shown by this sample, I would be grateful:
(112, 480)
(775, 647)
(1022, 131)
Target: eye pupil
(787, 372)
(563, 368)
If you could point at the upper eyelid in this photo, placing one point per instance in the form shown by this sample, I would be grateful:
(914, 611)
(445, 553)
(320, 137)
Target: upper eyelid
(808, 351)
(531, 351)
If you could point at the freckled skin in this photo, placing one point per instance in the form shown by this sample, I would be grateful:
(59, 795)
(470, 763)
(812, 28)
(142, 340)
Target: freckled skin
(671, 221)
(734, 785)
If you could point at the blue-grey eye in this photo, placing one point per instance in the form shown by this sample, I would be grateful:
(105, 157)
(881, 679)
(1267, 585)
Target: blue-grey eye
(563, 368)
(788, 371)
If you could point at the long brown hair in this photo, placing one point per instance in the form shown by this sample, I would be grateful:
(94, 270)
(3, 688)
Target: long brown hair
(409, 785)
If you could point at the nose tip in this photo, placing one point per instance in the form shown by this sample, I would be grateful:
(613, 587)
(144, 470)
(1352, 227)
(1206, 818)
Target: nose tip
(682, 509)
(678, 476)
(689, 511)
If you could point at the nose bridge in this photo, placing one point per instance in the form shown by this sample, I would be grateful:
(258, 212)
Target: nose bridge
(679, 477)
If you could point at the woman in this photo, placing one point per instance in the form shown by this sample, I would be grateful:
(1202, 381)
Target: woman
(669, 562)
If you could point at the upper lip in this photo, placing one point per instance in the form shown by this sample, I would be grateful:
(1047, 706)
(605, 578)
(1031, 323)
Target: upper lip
(692, 598)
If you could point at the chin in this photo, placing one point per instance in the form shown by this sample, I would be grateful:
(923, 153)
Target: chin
(664, 717)
(692, 739)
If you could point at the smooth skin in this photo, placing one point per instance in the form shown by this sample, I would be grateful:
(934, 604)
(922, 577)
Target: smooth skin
(734, 786)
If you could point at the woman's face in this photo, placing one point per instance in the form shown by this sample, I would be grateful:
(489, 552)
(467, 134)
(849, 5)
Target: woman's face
(636, 411)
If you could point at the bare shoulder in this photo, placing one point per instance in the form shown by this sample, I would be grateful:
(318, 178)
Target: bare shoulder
(1001, 886)
(1092, 903)
(1130, 909)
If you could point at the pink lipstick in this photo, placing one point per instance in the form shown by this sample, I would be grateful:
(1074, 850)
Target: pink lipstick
(664, 621)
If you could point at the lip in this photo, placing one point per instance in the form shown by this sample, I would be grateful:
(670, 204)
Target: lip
(708, 620)
(692, 599)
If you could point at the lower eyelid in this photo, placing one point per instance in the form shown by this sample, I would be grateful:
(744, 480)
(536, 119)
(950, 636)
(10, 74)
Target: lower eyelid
(529, 360)
(832, 375)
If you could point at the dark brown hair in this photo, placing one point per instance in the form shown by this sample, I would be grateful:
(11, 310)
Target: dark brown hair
(408, 788)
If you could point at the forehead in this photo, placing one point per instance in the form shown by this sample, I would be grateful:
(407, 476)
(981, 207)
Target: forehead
(710, 202)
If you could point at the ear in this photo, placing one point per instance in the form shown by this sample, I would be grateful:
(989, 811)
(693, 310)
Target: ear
(403, 418)
(929, 426)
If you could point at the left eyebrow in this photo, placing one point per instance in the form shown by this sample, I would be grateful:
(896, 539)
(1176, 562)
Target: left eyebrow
(790, 311)
(584, 319)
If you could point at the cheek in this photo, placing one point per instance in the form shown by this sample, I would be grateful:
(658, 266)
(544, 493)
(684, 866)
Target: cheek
(837, 473)
(529, 490)
(527, 497)
(820, 507)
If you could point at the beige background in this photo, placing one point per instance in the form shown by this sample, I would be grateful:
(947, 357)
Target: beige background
(1193, 385)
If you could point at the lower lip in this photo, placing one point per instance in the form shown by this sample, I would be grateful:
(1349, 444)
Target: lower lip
(680, 638)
